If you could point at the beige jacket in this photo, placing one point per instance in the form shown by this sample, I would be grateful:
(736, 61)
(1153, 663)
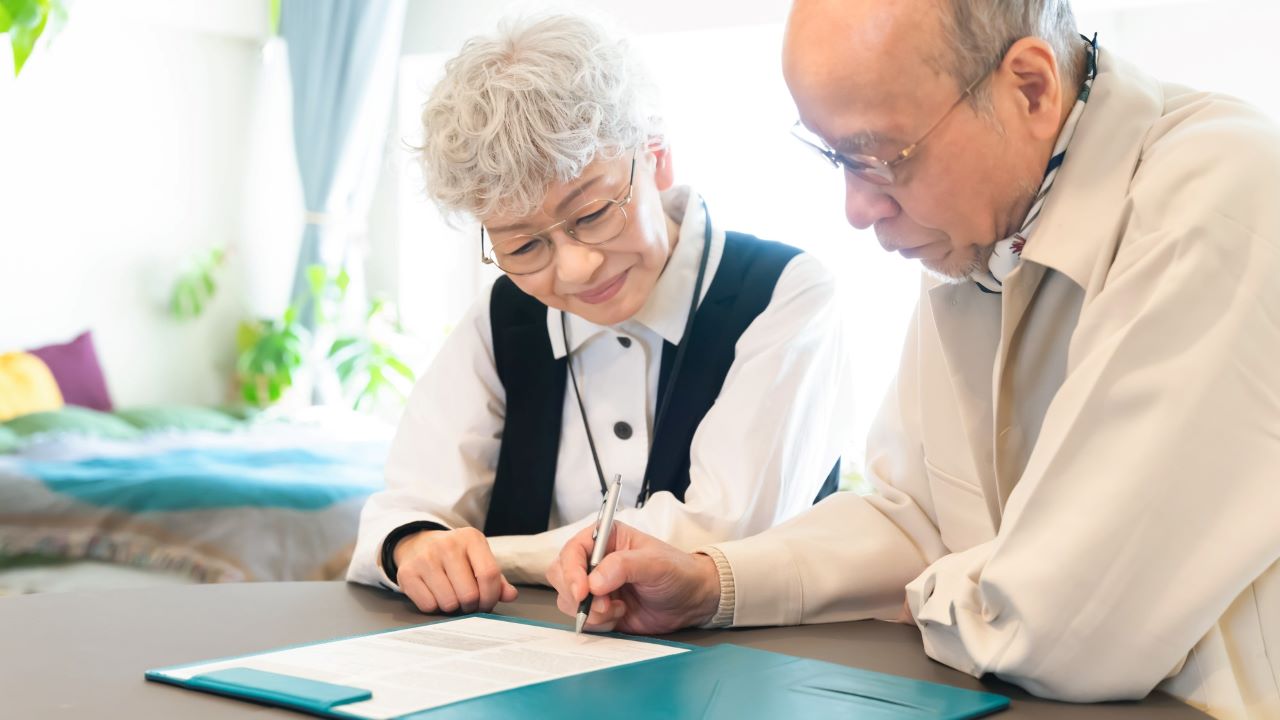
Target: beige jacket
(1078, 481)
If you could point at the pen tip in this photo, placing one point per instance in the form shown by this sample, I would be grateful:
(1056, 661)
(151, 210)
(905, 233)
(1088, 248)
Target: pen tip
(577, 625)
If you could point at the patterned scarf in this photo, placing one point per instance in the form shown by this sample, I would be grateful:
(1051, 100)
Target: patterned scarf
(1006, 253)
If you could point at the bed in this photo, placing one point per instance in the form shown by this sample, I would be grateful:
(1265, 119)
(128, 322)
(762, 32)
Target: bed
(262, 499)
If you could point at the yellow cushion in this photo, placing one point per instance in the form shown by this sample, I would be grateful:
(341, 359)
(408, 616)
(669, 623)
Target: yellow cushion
(26, 386)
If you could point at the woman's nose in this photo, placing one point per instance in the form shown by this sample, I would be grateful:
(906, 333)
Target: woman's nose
(576, 263)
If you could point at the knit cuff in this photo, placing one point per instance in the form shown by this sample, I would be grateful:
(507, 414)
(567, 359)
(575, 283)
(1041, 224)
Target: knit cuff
(394, 537)
(728, 596)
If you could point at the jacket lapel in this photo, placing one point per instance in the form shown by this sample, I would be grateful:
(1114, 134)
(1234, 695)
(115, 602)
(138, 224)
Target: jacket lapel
(1081, 226)
(1009, 434)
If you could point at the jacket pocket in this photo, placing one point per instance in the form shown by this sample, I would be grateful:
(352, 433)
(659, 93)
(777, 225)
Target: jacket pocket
(963, 520)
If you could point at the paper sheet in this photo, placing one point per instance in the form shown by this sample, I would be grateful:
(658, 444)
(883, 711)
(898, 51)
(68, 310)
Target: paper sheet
(426, 667)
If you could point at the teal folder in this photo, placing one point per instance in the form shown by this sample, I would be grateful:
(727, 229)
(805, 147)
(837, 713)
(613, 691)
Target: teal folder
(726, 682)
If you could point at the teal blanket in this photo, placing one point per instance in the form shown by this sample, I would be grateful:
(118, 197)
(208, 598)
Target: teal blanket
(189, 479)
(269, 503)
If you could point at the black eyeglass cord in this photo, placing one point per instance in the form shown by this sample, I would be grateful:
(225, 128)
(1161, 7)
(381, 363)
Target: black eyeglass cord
(665, 402)
(582, 409)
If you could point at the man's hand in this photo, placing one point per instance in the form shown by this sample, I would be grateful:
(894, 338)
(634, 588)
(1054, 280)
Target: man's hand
(643, 586)
(451, 570)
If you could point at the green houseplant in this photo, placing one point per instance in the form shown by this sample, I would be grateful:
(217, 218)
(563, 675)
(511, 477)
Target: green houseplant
(273, 352)
(367, 364)
(195, 288)
(26, 21)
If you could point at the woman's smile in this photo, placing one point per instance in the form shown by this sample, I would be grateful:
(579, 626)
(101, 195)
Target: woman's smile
(604, 291)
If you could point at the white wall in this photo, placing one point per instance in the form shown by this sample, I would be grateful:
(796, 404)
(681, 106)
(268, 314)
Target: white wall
(123, 151)
(442, 25)
(1226, 46)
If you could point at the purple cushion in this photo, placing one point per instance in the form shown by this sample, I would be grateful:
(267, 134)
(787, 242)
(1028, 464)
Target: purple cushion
(75, 366)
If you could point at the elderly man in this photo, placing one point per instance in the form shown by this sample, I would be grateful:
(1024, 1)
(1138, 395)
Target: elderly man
(1077, 472)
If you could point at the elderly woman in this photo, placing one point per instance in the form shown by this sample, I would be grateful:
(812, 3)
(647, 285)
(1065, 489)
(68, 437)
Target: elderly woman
(629, 335)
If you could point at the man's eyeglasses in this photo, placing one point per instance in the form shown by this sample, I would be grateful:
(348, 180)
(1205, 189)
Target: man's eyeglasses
(869, 167)
(594, 223)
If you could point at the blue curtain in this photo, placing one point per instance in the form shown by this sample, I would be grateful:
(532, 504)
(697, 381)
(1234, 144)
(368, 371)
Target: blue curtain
(343, 56)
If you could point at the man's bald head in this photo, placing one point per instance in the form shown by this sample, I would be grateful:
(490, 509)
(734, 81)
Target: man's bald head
(884, 84)
(875, 53)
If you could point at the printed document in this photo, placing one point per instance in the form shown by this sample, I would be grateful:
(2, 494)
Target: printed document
(434, 665)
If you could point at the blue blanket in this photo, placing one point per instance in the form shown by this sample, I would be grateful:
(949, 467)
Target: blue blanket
(189, 479)
(269, 503)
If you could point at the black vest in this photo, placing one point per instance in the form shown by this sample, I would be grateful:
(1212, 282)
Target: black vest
(535, 383)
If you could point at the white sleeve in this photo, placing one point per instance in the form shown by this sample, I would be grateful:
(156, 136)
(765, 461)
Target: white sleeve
(769, 441)
(445, 452)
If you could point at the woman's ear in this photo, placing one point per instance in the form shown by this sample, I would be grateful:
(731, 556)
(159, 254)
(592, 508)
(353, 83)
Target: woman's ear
(663, 173)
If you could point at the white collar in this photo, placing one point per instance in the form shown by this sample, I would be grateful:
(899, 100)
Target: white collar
(667, 309)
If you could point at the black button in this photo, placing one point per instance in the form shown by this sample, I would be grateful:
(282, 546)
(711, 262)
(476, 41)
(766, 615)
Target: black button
(624, 341)
(622, 430)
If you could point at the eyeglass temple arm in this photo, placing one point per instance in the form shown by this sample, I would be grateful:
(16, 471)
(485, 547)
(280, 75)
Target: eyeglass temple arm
(911, 149)
(483, 258)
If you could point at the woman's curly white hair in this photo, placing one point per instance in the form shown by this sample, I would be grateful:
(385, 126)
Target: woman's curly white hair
(530, 106)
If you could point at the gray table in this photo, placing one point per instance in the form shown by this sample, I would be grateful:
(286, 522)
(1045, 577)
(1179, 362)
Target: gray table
(83, 654)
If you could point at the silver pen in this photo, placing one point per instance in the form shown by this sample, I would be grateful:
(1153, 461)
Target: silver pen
(600, 537)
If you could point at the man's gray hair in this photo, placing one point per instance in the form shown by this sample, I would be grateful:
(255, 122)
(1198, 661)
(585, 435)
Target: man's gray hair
(532, 105)
(978, 33)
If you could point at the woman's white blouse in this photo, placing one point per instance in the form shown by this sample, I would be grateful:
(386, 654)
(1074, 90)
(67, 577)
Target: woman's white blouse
(759, 456)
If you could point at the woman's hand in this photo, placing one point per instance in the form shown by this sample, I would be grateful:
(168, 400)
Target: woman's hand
(451, 570)
(643, 586)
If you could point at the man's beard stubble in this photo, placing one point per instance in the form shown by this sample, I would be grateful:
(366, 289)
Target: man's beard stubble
(976, 257)
(957, 268)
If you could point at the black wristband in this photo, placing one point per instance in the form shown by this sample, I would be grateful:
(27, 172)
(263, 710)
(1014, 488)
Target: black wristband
(394, 538)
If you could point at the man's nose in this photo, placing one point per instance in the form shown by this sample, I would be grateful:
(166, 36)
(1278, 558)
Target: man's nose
(576, 263)
(866, 204)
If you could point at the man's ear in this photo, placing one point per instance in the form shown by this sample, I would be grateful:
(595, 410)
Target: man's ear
(1032, 70)
(663, 173)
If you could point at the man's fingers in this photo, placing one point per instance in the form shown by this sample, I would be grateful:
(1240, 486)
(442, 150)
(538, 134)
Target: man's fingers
(555, 576)
(599, 607)
(573, 564)
(566, 604)
(618, 610)
(605, 613)
(618, 569)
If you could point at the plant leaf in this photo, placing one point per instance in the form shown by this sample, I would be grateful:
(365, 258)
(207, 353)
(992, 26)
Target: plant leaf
(340, 345)
(347, 368)
(25, 13)
(398, 365)
(316, 278)
(23, 40)
(195, 289)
